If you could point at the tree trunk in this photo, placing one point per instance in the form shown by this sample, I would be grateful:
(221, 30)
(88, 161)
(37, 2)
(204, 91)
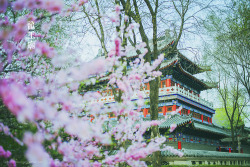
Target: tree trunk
(233, 141)
(154, 95)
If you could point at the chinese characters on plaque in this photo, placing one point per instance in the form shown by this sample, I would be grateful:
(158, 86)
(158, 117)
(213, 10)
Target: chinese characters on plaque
(31, 41)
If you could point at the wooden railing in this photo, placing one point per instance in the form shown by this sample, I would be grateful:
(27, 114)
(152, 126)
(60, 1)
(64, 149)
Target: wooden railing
(163, 92)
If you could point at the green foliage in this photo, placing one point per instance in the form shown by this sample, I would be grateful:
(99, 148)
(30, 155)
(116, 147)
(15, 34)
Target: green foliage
(221, 118)
(89, 86)
(17, 129)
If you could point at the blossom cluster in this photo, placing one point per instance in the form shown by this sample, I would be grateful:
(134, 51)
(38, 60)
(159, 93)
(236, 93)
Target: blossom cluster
(7, 154)
(50, 99)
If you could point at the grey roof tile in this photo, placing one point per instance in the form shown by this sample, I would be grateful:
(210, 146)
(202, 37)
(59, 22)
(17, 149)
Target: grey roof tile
(204, 153)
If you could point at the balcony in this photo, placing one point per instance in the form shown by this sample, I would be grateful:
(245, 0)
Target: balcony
(164, 92)
(183, 92)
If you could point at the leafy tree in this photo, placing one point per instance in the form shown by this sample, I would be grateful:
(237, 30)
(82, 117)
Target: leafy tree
(233, 103)
(229, 29)
(229, 52)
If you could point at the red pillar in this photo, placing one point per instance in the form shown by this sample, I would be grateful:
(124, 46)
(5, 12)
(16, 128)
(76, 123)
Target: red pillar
(202, 118)
(210, 120)
(148, 86)
(92, 118)
(179, 145)
(168, 83)
(188, 112)
(230, 150)
(164, 109)
(219, 149)
(174, 108)
(145, 112)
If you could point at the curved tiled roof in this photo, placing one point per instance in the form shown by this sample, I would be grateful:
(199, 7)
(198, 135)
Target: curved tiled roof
(180, 120)
(204, 153)
(207, 85)
(199, 153)
(168, 63)
(175, 60)
(176, 119)
(211, 128)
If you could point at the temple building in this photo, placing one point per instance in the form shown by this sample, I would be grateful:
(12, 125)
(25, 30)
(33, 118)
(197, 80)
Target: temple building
(201, 141)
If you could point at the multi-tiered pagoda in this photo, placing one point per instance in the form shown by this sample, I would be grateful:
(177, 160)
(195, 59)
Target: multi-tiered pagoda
(180, 88)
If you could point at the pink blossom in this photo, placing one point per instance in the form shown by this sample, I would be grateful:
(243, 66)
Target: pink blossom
(114, 19)
(156, 73)
(111, 53)
(37, 35)
(12, 163)
(9, 48)
(3, 5)
(5, 34)
(7, 154)
(117, 46)
(14, 98)
(45, 27)
(135, 77)
(31, 4)
(126, 18)
(173, 150)
(67, 106)
(56, 104)
(97, 164)
(82, 2)
(155, 123)
(37, 155)
(53, 6)
(117, 9)
(2, 151)
(73, 128)
(172, 127)
(18, 5)
(6, 129)
(20, 29)
(45, 49)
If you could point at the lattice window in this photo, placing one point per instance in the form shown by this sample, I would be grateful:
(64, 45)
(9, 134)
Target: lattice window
(109, 92)
(163, 84)
(147, 87)
(111, 115)
(104, 93)
(172, 83)
(196, 115)
(184, 111)
(169, 109)
(160, 109)
(205, 118)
